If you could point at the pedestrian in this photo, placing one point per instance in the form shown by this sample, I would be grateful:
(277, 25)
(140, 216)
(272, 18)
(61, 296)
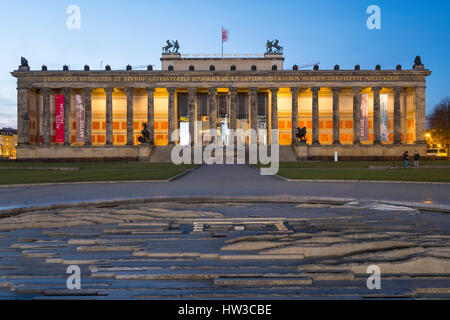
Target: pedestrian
(405, 159)
(416, 159)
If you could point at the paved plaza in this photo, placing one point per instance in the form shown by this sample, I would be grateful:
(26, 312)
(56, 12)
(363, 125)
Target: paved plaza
(226, 250)
(222, 180)
(289, 240)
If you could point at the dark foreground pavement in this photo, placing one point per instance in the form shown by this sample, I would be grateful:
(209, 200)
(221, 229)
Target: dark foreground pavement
(222, 180)
(226, 251)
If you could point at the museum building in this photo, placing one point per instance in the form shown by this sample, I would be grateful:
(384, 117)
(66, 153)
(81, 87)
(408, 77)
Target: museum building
(99, 114)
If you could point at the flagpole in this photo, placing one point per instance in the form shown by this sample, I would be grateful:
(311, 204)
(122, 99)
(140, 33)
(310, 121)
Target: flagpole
(222, 42)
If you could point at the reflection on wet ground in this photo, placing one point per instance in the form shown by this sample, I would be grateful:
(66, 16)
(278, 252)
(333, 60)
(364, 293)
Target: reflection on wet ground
(226, 250)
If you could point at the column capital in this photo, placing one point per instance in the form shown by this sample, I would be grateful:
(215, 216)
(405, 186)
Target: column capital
(87, 90)
(356, 90)
(253, 90)
(397, 89)
(171, 90)
(315, 89)
(295, 89)
(376, 89)
(67, 90)
(192, 91)
(150, 89)
(130, 90)
(45, 91)
(274, 90)
(336, 89)
(233, 91)
(109, 90)
(212, 90)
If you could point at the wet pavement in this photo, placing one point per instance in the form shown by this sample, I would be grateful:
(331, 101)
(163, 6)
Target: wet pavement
(226, 250)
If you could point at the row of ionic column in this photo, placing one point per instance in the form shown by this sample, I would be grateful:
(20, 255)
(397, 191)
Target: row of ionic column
(212, 109)
(420, 115)
(23, 120)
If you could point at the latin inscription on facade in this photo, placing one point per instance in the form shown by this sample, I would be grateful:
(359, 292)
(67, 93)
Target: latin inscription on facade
(224, 78)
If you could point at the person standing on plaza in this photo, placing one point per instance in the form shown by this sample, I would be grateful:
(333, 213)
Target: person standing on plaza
(416, 159)
(405, 159)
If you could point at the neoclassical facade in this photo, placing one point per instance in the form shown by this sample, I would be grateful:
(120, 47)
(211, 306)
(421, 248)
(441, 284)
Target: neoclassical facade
(98, 114)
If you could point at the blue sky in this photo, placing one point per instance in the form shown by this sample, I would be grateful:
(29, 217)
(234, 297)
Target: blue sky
(132, 32)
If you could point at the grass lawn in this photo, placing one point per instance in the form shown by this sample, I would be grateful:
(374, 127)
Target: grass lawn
(98, 171)
(359, 170)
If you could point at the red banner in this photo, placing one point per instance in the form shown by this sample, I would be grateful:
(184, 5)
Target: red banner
(59, 118)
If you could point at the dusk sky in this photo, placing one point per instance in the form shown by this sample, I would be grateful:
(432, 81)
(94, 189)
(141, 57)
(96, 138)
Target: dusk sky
(132, 32)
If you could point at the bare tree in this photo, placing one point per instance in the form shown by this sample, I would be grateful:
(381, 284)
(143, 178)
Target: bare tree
(439, 123)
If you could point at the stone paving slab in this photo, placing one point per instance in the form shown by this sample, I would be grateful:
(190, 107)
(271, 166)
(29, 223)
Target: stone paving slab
(324, 254)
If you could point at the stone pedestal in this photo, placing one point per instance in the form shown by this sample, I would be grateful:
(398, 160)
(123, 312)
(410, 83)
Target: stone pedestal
(301, 152)
(144, 152)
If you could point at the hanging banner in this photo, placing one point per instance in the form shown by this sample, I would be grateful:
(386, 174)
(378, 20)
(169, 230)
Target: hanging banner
(384, 117)
(59, 118)
(79, 101)
(364, 118)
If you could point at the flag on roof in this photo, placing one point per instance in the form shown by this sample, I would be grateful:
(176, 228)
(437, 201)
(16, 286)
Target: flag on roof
(224, 34)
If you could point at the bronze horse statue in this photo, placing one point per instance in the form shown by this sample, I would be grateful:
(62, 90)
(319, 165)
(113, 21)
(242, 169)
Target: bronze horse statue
(174, 44)
(270, 45)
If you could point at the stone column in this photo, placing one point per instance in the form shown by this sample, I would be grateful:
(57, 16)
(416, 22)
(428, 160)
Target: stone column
(191, 109)
(294, 114)
(67, 110)
(87, 117)
(23, 120)
(130, 124)
(253, 108)
(233, 107)
(46, 115)
(315, 115)
(336, 120)
(376, 115)
(151, 114)
(38, 119)
(274, 108)
(420, 115)
(109, 116)
(404, 121)
(171, 114)
(397, 116)
(356, 115)
(212, 110)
